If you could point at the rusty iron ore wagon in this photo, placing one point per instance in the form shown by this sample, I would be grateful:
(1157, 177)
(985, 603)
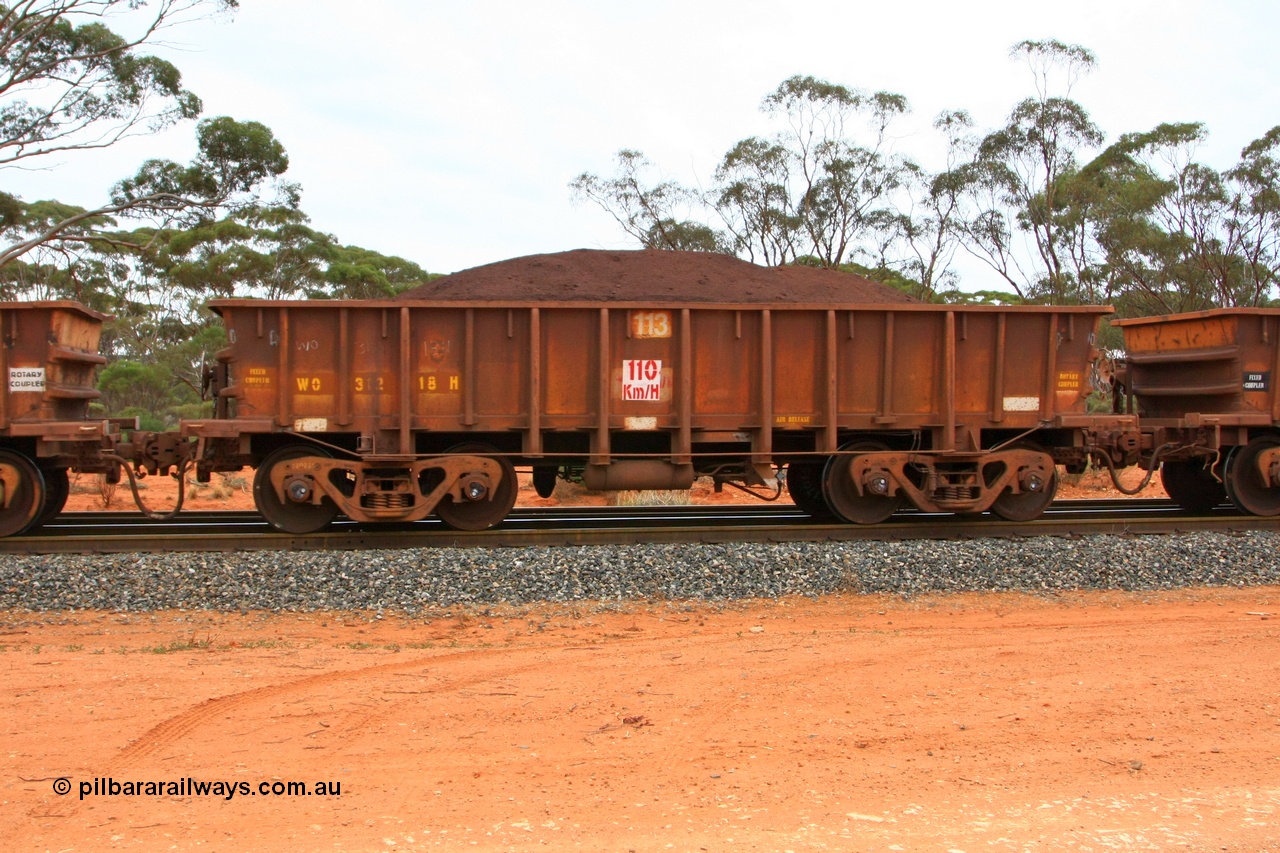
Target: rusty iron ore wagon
(49, 357)
(1204, 387)
(391, 411)
(49, 360)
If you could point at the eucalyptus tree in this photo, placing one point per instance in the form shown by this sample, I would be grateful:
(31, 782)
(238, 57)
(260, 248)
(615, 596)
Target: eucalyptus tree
(1173, 234)
(651, 212)
(824, 185)
(755, 198)
(353, 272)
(1255, 221)
(1018, 223)
(74, 77)
(1153, 213)
(929, 226)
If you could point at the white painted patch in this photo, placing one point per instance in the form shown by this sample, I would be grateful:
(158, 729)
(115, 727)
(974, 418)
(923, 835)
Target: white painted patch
(25, 379)
(640, 423)
(642, 379)
(1022, 404)
(311, 424)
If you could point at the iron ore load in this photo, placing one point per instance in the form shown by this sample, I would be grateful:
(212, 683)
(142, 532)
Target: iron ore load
(392, 411)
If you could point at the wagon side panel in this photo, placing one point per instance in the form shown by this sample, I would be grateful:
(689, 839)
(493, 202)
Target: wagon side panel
(437, 353)
(726, 368)
(570, 367)
(497, 382)
(799, 369)
(864, 345)
(644, 368)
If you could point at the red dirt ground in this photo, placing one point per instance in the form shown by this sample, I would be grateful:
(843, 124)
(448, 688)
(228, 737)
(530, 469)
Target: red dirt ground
(1090, 721)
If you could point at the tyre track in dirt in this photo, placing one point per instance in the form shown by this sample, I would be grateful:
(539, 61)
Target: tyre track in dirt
(169, 731)
(173, 729)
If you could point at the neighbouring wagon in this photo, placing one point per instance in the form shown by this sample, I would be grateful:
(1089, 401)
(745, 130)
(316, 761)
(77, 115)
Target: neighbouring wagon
(1204, 387)
(391, 411)
(48, 360)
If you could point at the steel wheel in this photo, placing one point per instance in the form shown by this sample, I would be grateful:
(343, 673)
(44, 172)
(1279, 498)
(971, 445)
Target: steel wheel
(804, 484)
(544, 480)
(1029, 504)
(1191, 485)
(842, 495)
(489, 510)
(1244, 483)
(57, 488)
(296, 517)
(27, 498)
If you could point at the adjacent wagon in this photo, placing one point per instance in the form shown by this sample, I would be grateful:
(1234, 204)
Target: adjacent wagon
(48, 361)
(1204, 386)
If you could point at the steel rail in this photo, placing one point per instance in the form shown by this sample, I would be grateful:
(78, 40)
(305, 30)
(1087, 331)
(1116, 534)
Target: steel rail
(102, 533)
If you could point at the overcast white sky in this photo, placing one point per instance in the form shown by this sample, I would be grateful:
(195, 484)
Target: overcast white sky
(447, 132)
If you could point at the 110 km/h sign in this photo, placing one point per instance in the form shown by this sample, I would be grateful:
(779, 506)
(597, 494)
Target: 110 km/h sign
(642, 379)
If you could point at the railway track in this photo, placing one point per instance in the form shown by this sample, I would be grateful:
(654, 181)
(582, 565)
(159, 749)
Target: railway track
(122, 532)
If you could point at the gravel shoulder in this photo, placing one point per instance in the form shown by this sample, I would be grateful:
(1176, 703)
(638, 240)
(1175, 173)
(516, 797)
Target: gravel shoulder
(416, 580)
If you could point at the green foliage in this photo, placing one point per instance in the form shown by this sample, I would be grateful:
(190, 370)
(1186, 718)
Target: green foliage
(73, 83)
(1060, 218)
(356, 273)
(1018, 184)
(980, 297)
(810, 190)
(1168, 234)
(233, 158)
(146, 419)
(132, 389)
(752, 188)
(820, 187)
(192, 411)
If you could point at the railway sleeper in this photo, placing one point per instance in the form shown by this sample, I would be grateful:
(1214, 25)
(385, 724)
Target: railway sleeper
(1019, 481)
(376, 491)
